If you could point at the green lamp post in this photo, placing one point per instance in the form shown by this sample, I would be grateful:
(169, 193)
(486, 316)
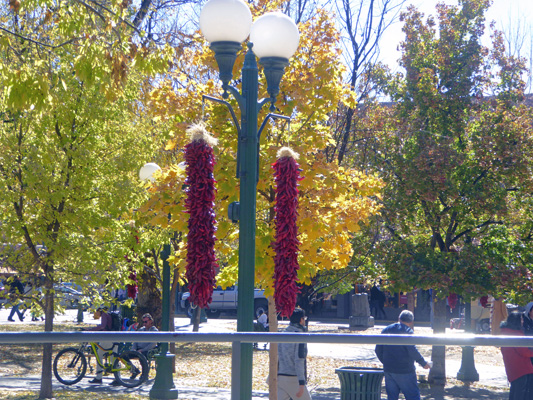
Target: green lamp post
(163, 387)
(274, 38)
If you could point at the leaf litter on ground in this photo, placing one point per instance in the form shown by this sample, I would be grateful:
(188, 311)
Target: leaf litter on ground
(209, 364)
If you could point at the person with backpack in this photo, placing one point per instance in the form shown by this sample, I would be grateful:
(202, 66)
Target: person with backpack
(116, 321)
(106, 324)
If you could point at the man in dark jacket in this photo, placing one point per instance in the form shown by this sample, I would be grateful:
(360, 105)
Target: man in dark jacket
(377, 302)
(16, 291)
(399, 361)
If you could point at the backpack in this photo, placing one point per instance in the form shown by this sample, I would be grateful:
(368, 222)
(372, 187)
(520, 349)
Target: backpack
(116, 321)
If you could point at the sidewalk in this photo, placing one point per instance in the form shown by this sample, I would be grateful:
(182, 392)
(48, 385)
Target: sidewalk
(492, 378)
(192, 393)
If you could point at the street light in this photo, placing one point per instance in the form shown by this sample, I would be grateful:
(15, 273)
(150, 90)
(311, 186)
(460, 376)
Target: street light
(274, 38)
(468, 372)
(163, 387)
(146, 173)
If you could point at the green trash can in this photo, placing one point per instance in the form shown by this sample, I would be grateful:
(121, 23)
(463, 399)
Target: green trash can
(359, 383)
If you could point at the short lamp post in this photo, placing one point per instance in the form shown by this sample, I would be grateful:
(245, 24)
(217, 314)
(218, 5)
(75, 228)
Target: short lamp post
(467, 372)
(163, 387)
(274, 38)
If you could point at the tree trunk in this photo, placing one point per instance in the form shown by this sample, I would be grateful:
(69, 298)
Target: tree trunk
(46, 370)
(149, 298)
(196, 319)
(437, 374)
(273, 352)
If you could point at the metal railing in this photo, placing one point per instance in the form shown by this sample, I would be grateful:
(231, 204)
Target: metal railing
(274, 337)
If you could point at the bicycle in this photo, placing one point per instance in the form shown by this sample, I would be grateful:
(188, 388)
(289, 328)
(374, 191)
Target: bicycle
(70, 365)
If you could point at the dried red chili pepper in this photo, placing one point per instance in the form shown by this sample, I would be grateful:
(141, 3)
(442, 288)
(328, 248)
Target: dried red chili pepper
(201, 261)
(287, 175)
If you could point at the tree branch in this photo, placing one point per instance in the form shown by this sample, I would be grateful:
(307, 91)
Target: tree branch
(109, 11)
(486, 223)
(37, 42)
(141, 14)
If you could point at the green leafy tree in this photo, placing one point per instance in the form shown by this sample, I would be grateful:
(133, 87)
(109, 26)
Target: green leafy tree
(455, 151)
(73, 131)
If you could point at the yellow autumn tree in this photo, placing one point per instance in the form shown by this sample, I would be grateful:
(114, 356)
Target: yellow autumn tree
(333, 201)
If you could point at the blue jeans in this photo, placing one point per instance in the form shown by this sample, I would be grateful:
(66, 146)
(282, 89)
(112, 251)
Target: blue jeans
(405, 383)
(14, 310)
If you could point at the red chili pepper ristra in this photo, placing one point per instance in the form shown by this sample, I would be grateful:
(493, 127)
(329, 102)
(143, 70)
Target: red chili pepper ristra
(287, 175)
(201, 261)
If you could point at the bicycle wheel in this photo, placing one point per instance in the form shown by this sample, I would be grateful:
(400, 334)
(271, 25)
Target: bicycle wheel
(70, 366)
(130, 368)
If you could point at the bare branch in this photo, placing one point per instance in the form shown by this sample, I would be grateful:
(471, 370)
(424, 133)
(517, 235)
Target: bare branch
(37, 42)
(484, 224)
(109, 11)
(141, 14)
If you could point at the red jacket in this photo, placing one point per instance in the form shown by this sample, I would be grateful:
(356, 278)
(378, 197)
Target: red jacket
(517, 360)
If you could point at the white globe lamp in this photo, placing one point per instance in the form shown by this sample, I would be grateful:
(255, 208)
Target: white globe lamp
(274, 35)
(225, 21)
(147, 172)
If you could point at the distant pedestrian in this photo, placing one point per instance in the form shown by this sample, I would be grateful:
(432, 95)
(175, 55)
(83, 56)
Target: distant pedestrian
(16, 291)
(528, 319)
(399, 361)
(377, 303)
(498, 314)
(292, 363)
(517, 360)
(263, 319)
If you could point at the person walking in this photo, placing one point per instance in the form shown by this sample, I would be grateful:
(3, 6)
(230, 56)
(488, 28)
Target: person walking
(16, 291)
(292, 363)
(517, 360)
(399, 361)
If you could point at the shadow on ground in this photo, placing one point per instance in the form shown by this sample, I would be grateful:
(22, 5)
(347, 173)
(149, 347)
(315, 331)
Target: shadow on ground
(461, 392)
(431, 393)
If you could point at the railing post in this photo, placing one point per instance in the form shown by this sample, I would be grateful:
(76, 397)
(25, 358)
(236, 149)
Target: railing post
(235, 370)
